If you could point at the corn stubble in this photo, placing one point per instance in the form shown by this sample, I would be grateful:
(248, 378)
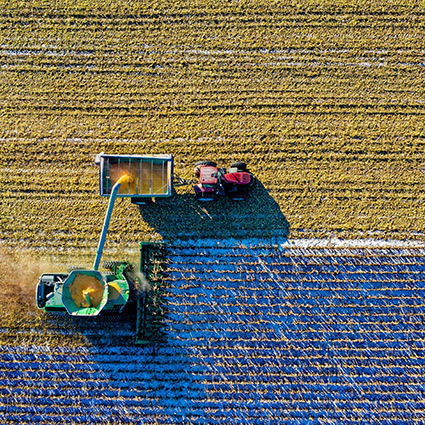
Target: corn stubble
(326, 108)
(324, 101)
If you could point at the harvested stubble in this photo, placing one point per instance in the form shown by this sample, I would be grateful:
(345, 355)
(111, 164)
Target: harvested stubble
(324, 102)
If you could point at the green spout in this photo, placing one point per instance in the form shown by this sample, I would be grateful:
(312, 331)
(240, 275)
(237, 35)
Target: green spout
(124, 179)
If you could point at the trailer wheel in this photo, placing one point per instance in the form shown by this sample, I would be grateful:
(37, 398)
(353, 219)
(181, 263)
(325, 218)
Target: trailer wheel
(141, 201)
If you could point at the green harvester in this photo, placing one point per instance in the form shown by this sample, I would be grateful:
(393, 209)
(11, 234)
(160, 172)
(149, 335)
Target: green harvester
(120, 289)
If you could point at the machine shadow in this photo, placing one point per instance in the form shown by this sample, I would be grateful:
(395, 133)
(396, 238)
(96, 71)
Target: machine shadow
(183, 217)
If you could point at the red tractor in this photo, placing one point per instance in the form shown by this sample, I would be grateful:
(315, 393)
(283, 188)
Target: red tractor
(215, 181)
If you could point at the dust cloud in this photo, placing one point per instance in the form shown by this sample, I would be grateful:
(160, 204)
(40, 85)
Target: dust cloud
(18, 279)
(141, 284)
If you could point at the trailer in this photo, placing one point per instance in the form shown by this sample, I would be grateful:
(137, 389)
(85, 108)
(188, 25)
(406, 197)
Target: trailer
(150, 176)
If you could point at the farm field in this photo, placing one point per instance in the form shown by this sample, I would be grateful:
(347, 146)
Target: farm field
(324, 103)
(295, 332)
(303, 304)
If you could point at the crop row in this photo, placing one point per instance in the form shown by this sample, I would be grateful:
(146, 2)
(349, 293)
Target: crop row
(292, 91)
(381, 198)
(253, 351)
(334, 353)
(248, 24)
(310, 130)
(299, 251)
(192, 136)
(214, 403)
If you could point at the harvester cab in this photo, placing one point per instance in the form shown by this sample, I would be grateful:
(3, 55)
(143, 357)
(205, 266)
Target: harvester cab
(89, 292)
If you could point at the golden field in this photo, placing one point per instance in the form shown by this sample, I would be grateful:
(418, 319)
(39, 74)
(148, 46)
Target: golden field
(325, 102)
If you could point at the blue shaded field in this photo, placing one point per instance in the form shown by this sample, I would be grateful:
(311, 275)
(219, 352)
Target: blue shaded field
(259, 334)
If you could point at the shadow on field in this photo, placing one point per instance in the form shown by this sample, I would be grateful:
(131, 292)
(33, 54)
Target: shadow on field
(182, 216)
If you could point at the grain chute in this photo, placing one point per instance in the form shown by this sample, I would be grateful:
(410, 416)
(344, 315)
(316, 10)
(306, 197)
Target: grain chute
(89, 292)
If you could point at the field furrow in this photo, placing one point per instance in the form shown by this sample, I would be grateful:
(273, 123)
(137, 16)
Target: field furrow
(327, 333)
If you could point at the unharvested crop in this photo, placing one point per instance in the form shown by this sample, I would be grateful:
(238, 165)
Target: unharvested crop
(284, 333)
(324, 102)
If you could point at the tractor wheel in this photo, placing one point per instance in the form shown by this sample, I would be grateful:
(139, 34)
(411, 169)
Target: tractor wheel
(241, 166)
(109, 265)
(202, 198)
(253, 180)
(206, 163)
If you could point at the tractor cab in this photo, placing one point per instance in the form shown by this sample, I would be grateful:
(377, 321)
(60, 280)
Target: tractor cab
(208, 175)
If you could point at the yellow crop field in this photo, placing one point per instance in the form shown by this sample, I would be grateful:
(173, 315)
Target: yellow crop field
(302, 303)
(325, 102)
